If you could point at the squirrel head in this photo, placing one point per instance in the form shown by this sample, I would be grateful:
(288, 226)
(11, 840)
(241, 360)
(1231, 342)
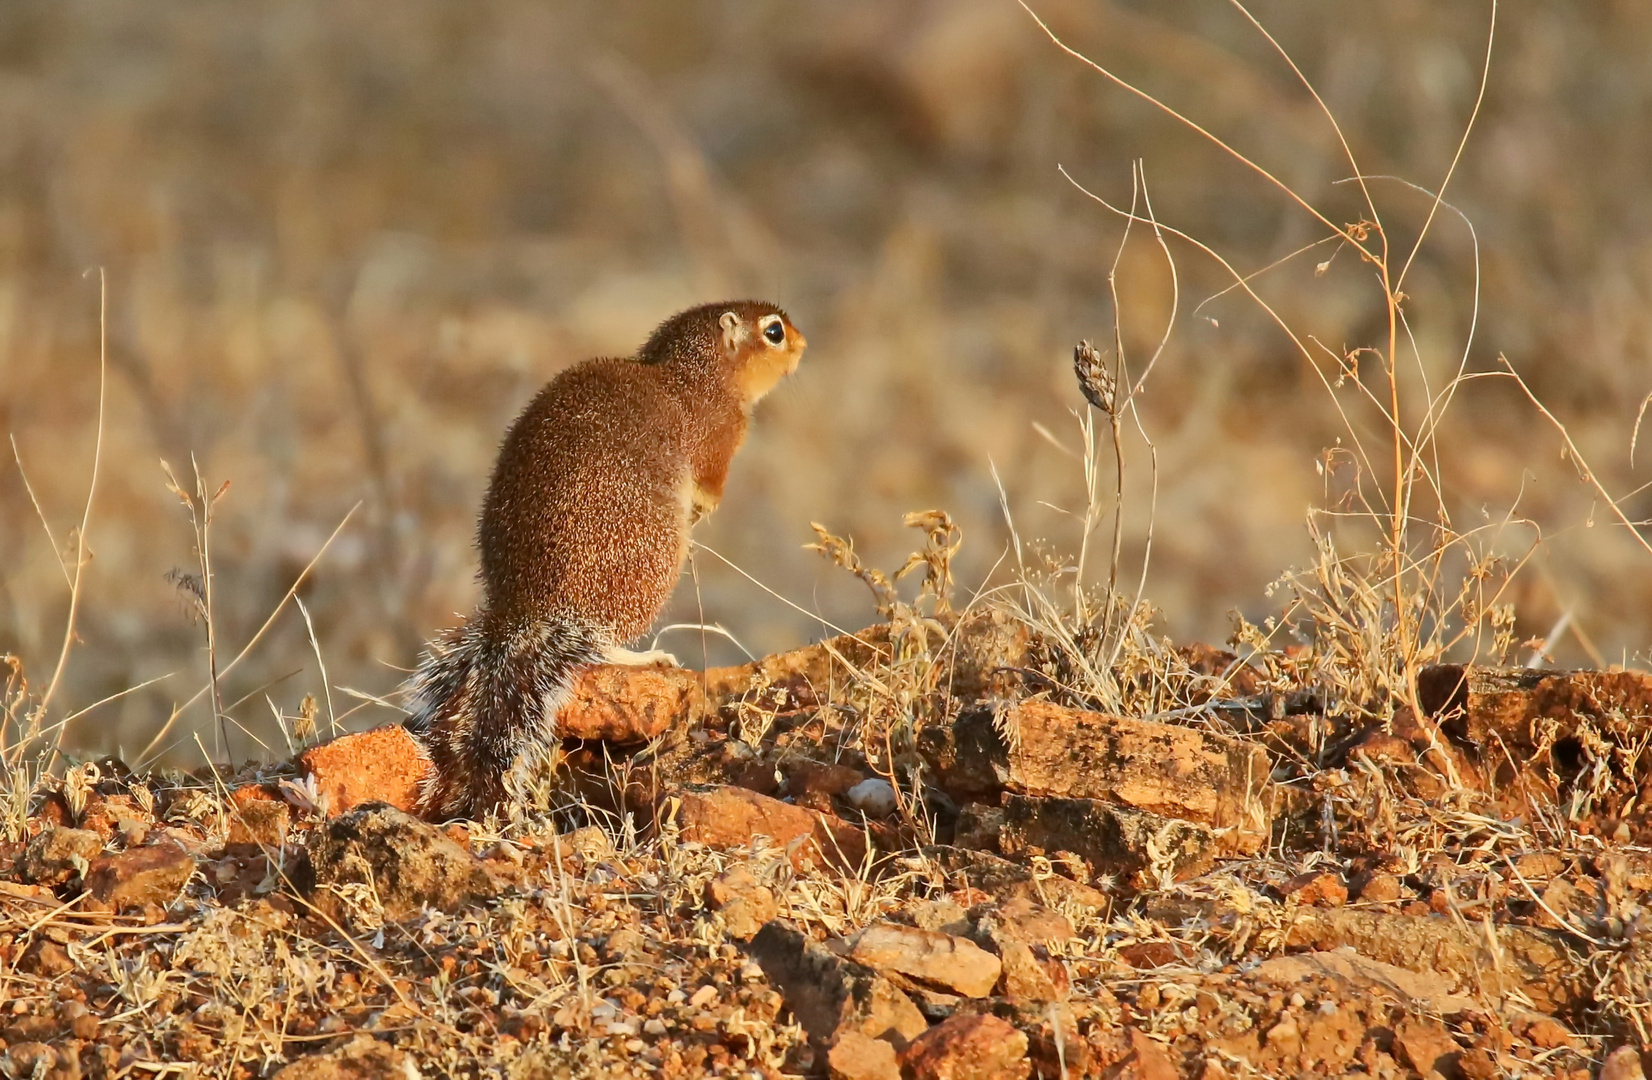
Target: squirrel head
(749, 345)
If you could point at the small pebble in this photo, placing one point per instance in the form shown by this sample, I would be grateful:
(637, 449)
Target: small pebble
(704, 996)
(874, 797)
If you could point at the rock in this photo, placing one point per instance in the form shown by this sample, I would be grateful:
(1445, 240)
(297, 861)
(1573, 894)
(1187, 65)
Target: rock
(362, 1058)
(256, 825)
(1176, 772)
(627, 704)
(1376, 886)
(731, 817)
(112, 816)
(1426, 990)
(1426, 1045)
(744, 903)
(57, 855)
(874, 797)
(804, 777)
(1116, 841)
(941, 960)
(1316, 887)
(1524, 708)
(828, 995)
(130, 880)
(860, 1057)
(1537, 963)
(1025, 921)
(384, 765)
(1025, 976)
(1544, 1032)
(968, 1047)
(409, 863)
(1624, 1063)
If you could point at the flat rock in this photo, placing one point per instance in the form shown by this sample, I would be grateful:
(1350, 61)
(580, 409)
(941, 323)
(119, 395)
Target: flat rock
(409, 863)
(1050, 751)
(968, 1047)
(629, 704)
(132, 879)
(942, 960)
(829, 995)
(385, 764)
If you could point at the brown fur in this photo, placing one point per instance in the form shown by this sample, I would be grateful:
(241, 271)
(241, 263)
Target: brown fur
(584, 532)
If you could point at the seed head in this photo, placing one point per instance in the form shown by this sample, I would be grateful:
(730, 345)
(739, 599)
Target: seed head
(1095, 382)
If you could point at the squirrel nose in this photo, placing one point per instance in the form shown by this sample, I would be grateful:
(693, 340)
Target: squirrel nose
(802, 342)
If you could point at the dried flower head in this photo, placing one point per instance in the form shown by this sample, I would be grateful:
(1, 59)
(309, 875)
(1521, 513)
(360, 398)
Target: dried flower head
(1095, 382)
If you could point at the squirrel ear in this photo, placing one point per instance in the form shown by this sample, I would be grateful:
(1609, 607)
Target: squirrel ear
(733, 332)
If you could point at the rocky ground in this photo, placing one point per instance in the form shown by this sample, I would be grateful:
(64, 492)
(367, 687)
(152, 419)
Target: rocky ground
(919, 852)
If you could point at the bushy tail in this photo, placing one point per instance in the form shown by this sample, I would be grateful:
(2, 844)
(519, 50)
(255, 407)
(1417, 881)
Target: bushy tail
(483, 694)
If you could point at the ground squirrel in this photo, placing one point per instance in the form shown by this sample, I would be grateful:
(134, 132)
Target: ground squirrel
(583, 535)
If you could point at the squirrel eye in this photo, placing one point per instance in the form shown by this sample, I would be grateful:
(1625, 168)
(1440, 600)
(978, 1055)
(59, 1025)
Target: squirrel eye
(775, 332)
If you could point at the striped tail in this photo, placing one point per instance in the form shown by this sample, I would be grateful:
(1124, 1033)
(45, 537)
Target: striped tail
(484, 694)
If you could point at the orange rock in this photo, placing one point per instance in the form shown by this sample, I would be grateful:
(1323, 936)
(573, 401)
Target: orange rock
(1211, 780)
(381, 765)
(134, 879)
(731, 817)
(257, 824)
(854, 1056)
(745, 903)
(115, 815)
(1317, 887)
(251, 793)
(967, 1047)
(630, 704)
(1377, 886)
(1423, 1044)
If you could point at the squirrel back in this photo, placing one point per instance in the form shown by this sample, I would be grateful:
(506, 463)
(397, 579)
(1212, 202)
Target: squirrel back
(584, 532)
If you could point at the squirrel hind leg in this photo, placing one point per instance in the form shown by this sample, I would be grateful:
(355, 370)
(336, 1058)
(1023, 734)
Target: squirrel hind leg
(627, 658)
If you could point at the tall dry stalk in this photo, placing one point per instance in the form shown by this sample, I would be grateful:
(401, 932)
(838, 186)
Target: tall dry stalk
(1408, 628)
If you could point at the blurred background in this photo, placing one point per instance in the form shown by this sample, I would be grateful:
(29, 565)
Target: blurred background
(345, 241)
